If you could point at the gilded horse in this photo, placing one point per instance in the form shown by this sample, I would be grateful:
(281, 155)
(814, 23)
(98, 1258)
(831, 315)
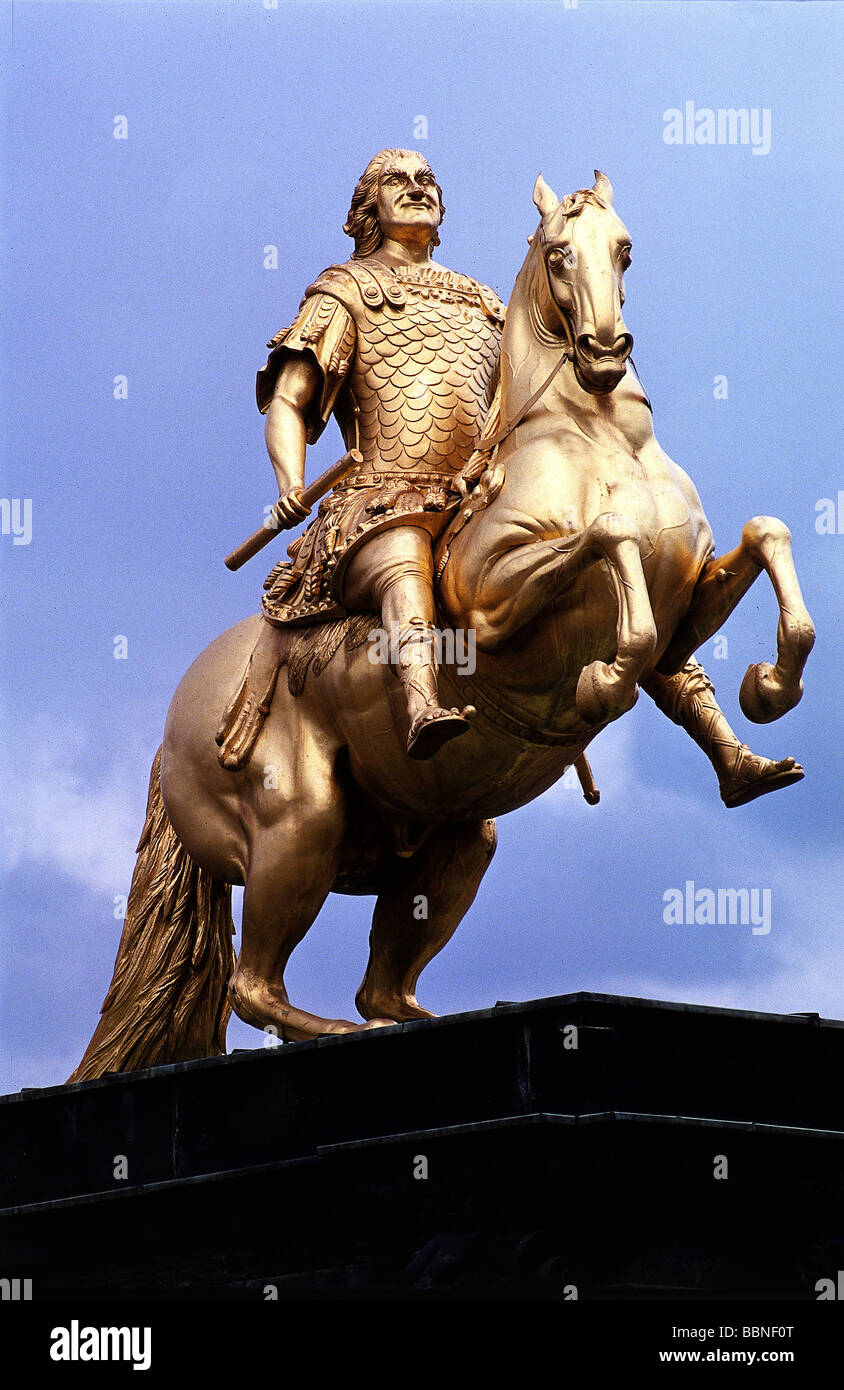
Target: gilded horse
(583, 564)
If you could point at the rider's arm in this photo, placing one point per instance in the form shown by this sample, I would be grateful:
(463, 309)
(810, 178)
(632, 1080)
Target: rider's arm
(297, 389)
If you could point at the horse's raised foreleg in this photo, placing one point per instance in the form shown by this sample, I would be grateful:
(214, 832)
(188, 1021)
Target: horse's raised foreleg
(606, 691)
(521, 582)
(767, 691)
(420, 904)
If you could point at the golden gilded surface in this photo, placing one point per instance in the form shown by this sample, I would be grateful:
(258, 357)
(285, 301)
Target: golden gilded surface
(423, 373)
(417, 349)
(580, 562)
(408, 356)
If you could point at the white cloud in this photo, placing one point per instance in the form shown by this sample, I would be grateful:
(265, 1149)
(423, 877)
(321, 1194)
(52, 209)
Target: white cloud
(613, 764)
(804, 985)
(800, 963)
(62, 807)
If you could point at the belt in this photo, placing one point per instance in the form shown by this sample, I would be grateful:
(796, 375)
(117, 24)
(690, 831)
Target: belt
(413, 480)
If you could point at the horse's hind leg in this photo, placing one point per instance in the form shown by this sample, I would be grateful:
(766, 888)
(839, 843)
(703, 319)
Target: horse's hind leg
(767, 691)
(293, 863)
(420, 905)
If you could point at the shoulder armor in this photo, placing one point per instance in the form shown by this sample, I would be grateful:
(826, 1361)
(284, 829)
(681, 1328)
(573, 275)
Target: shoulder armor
(374, 283)
(339, 284)
(493, 306)
(380, 284)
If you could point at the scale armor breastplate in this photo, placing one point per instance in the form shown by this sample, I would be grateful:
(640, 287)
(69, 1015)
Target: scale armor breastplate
(424, 367)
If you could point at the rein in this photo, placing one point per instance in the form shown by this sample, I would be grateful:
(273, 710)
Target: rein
(500, 434)
(487, 445)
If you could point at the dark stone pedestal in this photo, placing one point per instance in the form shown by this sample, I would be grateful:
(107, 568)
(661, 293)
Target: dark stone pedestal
(569, 1143)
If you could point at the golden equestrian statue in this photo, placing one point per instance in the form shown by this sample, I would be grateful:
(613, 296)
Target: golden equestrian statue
(501, 482)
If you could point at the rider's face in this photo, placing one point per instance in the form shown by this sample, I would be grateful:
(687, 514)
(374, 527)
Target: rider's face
(408, 207)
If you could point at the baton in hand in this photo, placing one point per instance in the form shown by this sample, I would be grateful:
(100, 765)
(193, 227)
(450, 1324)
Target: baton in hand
(317, 489)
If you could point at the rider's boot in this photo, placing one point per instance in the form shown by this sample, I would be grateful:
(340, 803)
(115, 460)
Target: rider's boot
(430, 725)
(688, 698)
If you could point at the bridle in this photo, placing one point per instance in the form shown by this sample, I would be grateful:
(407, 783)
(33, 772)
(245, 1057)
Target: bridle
(567, 354)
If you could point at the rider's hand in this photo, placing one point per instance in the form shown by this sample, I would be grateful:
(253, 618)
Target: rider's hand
(289, 510)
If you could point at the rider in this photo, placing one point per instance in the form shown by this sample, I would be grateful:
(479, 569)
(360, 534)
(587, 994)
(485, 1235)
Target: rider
(404, 353)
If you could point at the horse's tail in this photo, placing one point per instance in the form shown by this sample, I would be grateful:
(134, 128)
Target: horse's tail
(167, 1001)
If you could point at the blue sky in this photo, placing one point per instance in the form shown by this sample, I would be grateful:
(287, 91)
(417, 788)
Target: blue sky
(248, 126)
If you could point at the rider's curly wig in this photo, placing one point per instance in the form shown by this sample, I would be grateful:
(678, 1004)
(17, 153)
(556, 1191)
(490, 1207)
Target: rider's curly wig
(362, 223)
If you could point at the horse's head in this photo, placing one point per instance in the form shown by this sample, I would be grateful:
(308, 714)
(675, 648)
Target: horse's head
(582, 249)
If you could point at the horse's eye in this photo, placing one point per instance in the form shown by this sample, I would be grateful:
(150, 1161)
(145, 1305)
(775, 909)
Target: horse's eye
(556, 259)
(624, 256)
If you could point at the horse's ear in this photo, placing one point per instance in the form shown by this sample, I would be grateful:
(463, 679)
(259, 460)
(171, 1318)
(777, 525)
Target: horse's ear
(603, 187)
(544, 197)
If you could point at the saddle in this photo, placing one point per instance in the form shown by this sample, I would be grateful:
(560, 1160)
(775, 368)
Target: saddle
(303, 650)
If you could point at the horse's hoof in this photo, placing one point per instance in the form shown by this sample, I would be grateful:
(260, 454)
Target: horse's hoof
(403, 1009)
(376, 1023)
(763, 697)
(600, 697)
(435, 727)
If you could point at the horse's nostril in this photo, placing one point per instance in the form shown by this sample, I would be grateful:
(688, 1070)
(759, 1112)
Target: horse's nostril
(589, 346)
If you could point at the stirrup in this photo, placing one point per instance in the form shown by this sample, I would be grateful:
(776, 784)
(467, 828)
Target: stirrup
(435, 727)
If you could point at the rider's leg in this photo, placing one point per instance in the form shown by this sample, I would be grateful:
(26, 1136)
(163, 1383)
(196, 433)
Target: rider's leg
(688, 698)
(418, 908)
(393, 573)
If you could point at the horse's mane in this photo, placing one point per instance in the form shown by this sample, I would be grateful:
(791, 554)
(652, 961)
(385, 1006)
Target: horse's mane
(574, 203)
